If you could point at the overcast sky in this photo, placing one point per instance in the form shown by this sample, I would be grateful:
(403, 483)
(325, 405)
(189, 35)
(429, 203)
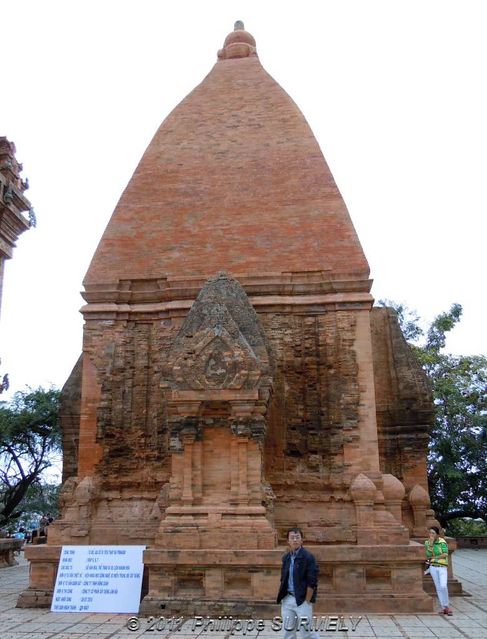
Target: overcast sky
(394, 92)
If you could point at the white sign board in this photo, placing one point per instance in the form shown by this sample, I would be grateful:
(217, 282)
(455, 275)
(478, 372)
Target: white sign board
(98, 579)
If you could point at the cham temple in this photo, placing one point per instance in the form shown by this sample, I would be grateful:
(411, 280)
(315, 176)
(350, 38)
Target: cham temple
(13, 204)
(235, 379)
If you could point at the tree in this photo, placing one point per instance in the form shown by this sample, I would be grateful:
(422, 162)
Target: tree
(42, 498)
(29, 437)
(457, 459)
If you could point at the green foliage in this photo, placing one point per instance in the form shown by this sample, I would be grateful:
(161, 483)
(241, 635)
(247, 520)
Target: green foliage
(457, 460)
(409, 320)
(444, 322)
(29, 437)
(40, 499)
(457, 464)
(466, 528)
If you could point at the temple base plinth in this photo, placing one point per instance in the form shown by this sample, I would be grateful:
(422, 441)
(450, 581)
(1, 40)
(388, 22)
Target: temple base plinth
(210, 581)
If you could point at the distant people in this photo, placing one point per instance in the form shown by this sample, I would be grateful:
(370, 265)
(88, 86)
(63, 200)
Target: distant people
(297, 590)
(43, 524)
(437, 558)
(20, 534)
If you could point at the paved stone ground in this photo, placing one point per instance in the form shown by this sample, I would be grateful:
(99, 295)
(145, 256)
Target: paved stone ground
(469, 619)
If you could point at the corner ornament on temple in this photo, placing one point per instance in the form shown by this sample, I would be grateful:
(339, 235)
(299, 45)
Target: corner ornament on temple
(238, 44)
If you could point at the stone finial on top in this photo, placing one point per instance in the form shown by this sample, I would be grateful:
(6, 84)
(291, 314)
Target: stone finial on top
(238, 44)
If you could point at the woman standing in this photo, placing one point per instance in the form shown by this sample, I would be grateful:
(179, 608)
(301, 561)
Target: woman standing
(437, 557)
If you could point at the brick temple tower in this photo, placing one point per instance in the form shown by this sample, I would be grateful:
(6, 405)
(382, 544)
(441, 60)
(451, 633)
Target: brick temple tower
(13, 203)
(235, 380)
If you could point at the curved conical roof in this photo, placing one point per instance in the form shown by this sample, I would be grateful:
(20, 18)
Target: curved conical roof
(233, 180)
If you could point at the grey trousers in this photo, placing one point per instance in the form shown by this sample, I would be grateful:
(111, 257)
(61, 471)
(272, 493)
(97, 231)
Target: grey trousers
(440, 577)
(296, 618)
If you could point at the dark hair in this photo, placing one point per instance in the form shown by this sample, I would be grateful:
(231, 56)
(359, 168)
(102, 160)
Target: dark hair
(294, 530)
(436, 529)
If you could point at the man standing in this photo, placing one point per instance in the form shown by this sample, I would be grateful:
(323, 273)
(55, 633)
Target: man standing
(297, 591)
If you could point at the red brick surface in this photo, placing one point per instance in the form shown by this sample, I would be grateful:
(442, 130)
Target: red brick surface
(233, 179)
(269, 402)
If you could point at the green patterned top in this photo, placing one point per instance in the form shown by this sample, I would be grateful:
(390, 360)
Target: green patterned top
(439, 547)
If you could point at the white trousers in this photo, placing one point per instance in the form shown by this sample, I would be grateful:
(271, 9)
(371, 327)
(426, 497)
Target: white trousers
(296, 617)
(440, 577)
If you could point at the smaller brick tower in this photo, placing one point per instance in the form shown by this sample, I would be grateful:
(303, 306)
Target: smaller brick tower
(12, 204)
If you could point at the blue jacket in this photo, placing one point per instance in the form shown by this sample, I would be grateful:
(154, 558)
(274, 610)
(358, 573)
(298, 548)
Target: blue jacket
(305, 575)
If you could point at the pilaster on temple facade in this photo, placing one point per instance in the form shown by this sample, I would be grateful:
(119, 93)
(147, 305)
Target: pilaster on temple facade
(235, 380)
